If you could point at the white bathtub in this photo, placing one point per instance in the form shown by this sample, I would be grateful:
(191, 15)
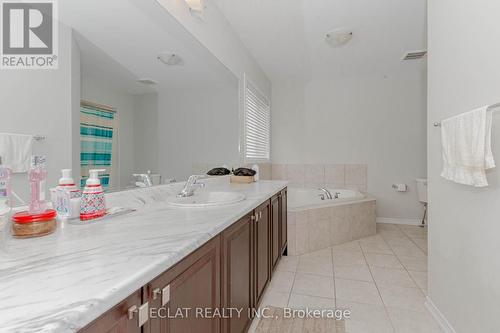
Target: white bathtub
(304, 198)
(315, 224)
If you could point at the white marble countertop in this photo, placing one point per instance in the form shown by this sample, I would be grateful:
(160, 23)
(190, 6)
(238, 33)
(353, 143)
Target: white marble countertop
(62, 282)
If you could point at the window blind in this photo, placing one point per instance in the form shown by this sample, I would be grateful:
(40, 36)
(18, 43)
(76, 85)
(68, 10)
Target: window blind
(257, 125)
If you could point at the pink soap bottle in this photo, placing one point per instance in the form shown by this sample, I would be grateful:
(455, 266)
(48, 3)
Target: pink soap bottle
(93, 204)
(37, 177)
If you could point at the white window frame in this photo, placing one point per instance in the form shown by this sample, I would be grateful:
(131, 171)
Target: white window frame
(249, 84)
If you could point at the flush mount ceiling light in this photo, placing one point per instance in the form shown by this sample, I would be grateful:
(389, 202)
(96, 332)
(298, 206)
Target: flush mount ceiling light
(170, 59)
(196, 6)
(338, 37)
(147, 81)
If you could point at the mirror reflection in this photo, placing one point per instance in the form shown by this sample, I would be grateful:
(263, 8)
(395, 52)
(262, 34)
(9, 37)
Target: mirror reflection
(143, 118)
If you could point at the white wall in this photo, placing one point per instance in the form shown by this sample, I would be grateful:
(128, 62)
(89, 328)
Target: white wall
(197, 126)
(373, 120)
(464, 228)
(146, 141)
(39, 102)
(215, 33)
(102, 93)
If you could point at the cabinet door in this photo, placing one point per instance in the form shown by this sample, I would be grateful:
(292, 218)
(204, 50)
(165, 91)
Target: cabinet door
(237, 274)
(262, 250)
(192, 284)
(283, 220)
(275, 230)
(117, 319)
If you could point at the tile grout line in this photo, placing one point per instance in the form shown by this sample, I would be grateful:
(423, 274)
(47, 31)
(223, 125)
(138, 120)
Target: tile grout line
(376, 286)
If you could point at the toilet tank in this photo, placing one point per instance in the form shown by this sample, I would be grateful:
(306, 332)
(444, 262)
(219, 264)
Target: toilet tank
(422, 190)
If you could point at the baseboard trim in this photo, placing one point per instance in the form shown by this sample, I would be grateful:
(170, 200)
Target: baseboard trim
(438, 316)
(399, 221)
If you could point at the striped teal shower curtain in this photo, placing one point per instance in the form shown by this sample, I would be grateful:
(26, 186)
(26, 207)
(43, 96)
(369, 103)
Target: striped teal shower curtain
(97, 126)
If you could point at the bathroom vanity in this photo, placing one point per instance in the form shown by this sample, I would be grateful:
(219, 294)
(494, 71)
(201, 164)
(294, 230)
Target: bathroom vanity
(112, 275)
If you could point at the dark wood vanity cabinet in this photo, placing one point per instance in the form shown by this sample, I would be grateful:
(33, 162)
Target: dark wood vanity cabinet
(175, 296)
(231, 271)
(237, 269)
(283, 220)
(262, 250)
(275, 229)
(117, 319)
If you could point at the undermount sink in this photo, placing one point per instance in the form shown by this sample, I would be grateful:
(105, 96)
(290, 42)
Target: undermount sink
(206, 199)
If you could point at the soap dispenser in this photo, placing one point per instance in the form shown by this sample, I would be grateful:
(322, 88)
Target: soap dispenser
(93, 205)
(68, 196)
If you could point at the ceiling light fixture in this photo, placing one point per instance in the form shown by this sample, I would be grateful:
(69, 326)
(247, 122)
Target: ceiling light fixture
(339, 37)
(170, 59)
(196, 6)
(147, 81)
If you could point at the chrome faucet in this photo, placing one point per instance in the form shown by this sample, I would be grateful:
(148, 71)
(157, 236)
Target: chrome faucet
(191, 186)
(327, 193)
(145, 180)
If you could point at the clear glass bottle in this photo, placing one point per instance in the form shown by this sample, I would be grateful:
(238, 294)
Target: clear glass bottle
(37, 176)
(5, 189)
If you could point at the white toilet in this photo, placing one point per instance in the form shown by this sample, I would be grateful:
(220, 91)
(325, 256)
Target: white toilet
(422, 195)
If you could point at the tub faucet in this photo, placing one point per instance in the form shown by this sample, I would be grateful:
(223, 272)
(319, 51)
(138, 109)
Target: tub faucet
(327, 193)
(191, 186)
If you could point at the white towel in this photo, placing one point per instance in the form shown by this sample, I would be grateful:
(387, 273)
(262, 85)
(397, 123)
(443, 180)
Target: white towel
(466, 141)
(16, 151)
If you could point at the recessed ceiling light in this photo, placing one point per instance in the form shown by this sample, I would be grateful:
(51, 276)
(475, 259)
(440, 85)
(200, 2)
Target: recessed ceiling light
(338, 37)
(170, 59)
(147, 81)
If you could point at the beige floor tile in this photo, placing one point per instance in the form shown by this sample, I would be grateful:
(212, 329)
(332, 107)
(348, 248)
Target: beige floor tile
(392, 277)
(298, 301)
(387, 234)
(387, 226)
(421, 243)
(383, 260)
(414, 264)
(316, 265)
(408, 251)
(277, 299)
(357, 291)
(404, 298)
(405, 321)
(313, 285)
(365, 318)
(349, 247)
(288, 264)
(348, 258)
(399, 241)
(321, 253)
(282, 282)
(420, 279)
(358, 272)
(375, 247)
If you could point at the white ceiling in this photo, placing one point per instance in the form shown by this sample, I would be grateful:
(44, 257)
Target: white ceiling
(132, 33)
(287, 36)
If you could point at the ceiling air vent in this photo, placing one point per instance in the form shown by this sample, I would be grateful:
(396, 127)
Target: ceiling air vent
(414, 55)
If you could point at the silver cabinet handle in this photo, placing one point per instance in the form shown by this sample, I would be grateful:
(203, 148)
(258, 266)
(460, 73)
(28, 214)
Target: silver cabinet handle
(165, 295)
(260, 215)
(156, 293)
(256, 217)
(142, 311)
(252, 218)
(132, 311)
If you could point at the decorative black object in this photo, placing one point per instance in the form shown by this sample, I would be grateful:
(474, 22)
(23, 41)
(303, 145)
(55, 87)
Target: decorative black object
(218, 172)
(244, 172)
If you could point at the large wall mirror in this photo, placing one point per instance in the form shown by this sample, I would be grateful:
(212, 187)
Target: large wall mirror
(134, 94)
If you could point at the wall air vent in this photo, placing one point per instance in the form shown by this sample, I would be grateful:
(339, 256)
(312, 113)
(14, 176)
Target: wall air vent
(415, 55)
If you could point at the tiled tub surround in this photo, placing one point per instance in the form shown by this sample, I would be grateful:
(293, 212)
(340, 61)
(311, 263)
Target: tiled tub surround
(314, 228)
(61, 282)
(341, 176)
